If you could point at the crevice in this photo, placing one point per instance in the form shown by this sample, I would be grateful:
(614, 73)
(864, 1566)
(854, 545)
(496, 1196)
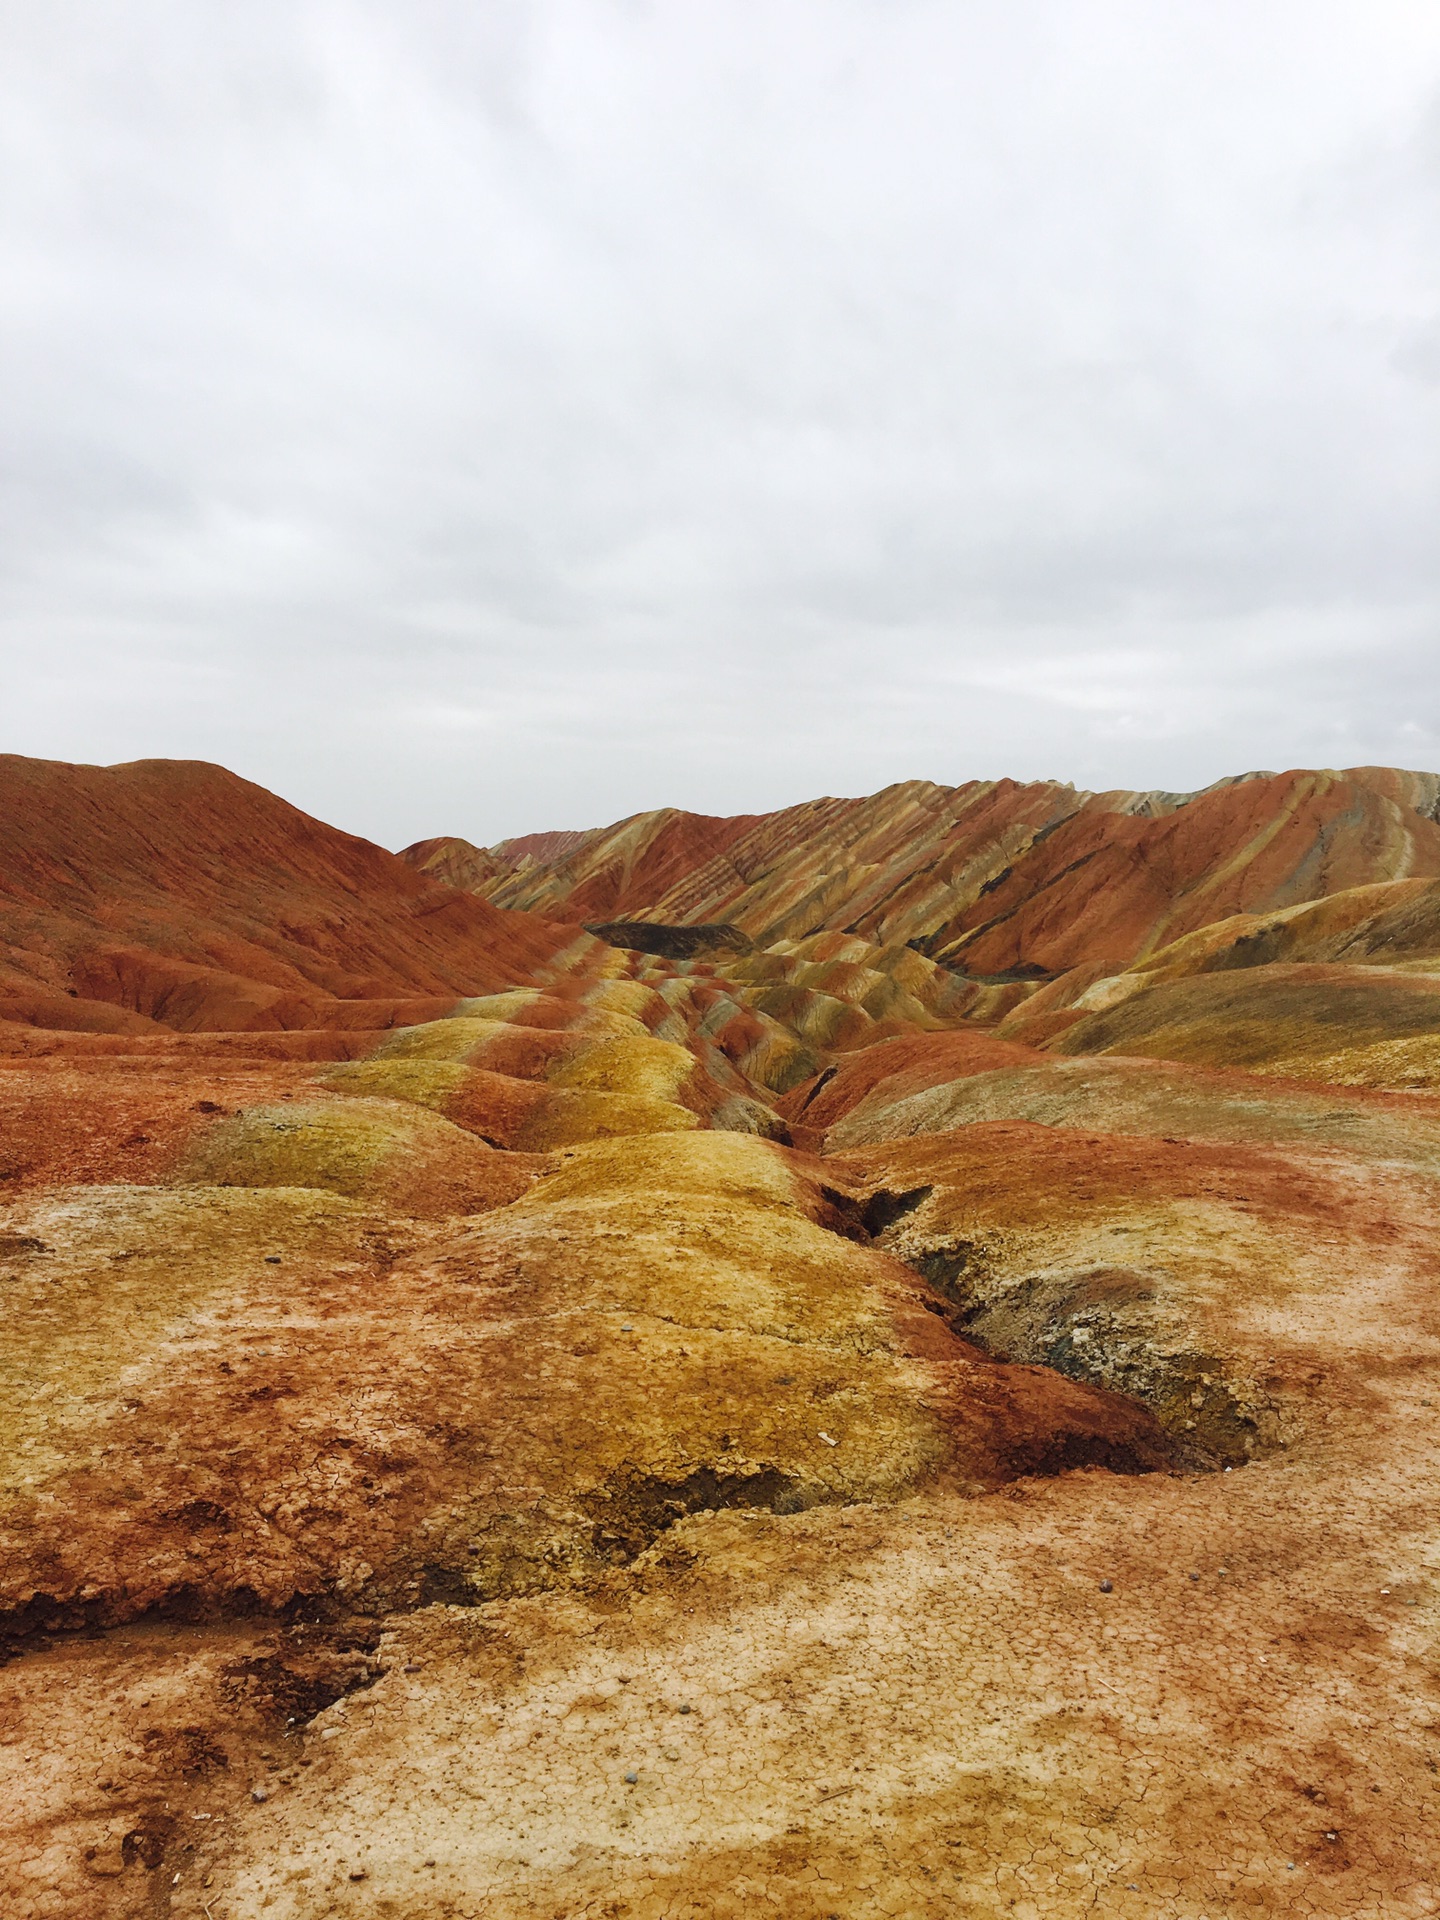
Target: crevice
(1105, 1327)
(632, 1513)
(884, 1207)
(842, 1213)
(614, 1525)
(315, 1664)
(820, 1085)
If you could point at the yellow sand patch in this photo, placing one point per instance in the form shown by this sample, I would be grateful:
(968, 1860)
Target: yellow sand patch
(778, 1061)
(604, 1013)
(426, 1083)
(657, 1069)
(338, 1147)
(630, 997)
(459, 1038)
(1403, 1064)
(496, 1006)
(730, 1166)
(573, 1115)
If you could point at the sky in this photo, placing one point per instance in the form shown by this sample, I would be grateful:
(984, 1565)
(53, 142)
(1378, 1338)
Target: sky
(480, 418)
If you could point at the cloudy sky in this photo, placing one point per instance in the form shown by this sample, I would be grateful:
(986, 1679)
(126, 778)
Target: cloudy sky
(476, 417)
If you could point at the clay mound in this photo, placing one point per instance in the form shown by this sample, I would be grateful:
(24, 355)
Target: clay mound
(175, 890)
(1155, 1098)
(901, 1066)
(397, 1154)
(1289, 1016)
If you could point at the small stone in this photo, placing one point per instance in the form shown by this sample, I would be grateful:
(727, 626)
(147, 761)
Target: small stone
(1106, 1587)
(359, 1874)
(259, 1795)
(632, 1779)
(273, 1260)
(412, 1666)
(687, 1709)
(627, 1329)
(672, 1753)
(427, 1863)
(1194, 1576)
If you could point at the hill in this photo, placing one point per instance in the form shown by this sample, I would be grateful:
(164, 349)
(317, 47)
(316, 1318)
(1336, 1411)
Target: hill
(178, 893)
(992, 877)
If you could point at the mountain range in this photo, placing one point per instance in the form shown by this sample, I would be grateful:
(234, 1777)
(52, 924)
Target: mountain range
(877, 1358)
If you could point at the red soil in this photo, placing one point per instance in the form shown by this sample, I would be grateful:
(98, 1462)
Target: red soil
(177, 891)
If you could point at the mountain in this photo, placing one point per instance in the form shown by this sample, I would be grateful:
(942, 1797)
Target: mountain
(992, 877)
(872, 1359)
(175, 892)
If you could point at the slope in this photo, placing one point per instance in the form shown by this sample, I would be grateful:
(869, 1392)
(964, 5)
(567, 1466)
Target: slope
(993, 877)
(176, 892)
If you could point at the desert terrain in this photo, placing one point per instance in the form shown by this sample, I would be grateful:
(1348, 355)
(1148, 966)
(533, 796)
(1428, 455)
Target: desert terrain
(881, 1359)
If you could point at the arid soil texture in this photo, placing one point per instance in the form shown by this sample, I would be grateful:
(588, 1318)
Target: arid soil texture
(826, 1365)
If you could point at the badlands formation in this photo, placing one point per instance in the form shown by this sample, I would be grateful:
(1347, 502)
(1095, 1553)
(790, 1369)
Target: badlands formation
(878, 1359)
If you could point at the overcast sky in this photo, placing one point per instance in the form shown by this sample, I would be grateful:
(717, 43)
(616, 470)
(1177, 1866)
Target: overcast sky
(475, 417)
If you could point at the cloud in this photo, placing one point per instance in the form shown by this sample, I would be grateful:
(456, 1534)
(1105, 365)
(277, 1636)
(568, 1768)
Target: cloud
(481, 419)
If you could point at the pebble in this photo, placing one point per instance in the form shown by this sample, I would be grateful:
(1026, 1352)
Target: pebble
(259, 1795)
(272, 1259)
(627, 1329)
(687, 1709)
(359, 1874)
(632, 1779)
(1106, 1587)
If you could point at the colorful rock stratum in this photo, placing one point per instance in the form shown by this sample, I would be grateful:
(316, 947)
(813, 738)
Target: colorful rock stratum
(878, 1359)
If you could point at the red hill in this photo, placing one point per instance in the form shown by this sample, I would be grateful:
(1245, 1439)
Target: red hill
(174, 890)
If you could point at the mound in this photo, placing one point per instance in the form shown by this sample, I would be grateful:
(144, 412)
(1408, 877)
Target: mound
(1285, 1016)
(180, 893)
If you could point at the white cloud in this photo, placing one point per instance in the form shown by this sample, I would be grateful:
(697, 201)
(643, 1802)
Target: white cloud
(481, 419)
